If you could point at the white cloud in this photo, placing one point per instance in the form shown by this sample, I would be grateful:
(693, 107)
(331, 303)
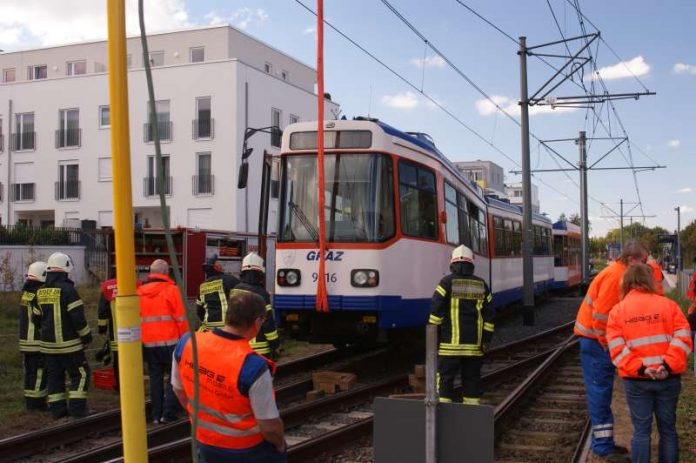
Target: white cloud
(241, 18)
(674, 144)
(685, 190)
(685, 209)
(29, 23)
(486, 107)
(683, 68)
(634, 67)
(406, 100)
(436, 61)
(310, 30)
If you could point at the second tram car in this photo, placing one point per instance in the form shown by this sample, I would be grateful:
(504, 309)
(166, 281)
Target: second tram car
(566, 255)
(395, 209)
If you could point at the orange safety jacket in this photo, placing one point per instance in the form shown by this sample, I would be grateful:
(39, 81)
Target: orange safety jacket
(691, 292)
(602, 295)
(225, 416)
(648, 330)
(658, 276)
(162, 316)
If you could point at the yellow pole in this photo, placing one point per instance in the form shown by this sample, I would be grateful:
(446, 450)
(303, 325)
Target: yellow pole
(127, 302)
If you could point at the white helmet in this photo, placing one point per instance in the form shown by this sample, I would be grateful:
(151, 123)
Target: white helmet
(37, 271)
(462, 254)
(253, 261)
(59, 262)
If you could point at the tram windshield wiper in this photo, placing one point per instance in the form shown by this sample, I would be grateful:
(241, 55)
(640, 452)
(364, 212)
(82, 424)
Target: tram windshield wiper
(311, 229)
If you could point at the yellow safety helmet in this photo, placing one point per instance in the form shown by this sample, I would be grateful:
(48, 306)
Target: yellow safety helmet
(462, 254)
(37, 271)
(253, 261)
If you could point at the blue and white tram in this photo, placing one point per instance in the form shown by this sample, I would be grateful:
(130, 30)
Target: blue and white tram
(395, 209)
(566, 247)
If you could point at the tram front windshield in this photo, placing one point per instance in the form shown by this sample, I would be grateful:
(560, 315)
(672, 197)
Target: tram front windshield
(358, 198)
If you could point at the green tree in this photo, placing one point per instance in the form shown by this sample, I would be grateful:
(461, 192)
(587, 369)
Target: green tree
(688, 243)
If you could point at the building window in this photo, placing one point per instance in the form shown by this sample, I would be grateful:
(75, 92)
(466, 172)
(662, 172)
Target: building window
(203, 124)
(22, 192)
(68, 133)
(150, 182)
(203, 180)
(37, 72)
(104, 117)
(418, 201)
(129, 60)
(9, 75)
(156, 59)
(75, 68)
(275, 122)
(99, 67)
(284, 74)
(105, 169)
(24, 137)
(268, 68)
(164, 123)
(197, 54)
(293, 119)
(68, 184)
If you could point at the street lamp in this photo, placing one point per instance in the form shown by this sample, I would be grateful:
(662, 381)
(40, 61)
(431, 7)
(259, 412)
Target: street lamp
(679, 256)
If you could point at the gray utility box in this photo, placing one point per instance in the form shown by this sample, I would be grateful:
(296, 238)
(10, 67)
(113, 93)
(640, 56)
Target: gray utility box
(464, 432)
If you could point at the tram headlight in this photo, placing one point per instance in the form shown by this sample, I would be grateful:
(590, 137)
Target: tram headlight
(364, 278)
(288, 277)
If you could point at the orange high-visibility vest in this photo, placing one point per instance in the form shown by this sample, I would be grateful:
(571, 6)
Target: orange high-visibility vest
(225, 416)
(648, 330)
(658, 276)
(162, 316)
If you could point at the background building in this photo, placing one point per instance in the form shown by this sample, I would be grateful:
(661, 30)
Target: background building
(514, 193)
(210, 84)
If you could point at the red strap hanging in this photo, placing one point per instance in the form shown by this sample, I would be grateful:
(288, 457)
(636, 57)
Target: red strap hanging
(322, 302)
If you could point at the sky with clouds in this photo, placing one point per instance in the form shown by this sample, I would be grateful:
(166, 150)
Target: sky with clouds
(653, 41)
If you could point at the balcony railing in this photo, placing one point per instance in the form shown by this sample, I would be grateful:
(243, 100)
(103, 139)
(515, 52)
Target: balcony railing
(203, 185)
(2, 143)
(2, 192)
(164, 128)
(67, 190)
(68, 138)
(203, 128)
(23, 141)
(22, 192)
(150, 186)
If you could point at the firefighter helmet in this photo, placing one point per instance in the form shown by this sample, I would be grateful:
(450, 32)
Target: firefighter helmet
(462, 254)
(37, 271)
(253, 261)
(59, 262)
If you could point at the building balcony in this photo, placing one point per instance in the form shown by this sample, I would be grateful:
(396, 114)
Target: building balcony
(164, 130)
(203, 129)
(22, 192)
(68, 138)
(151, 186)
(23, 141)
(67, 191)
(203, 185)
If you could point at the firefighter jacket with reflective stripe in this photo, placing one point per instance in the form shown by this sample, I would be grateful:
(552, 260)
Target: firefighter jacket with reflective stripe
(225, 416)
(461, 308)
(162, 315)
(29, 331)
(658, 277)
(106, 313)
(211, 305)
(62, 314)
(648, 330)
(267, 340)
(602, 295)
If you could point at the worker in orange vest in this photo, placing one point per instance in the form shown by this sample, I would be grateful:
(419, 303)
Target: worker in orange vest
(238, 419)
(597, 369)
(657, 275)
(162, 323)
(649, 340)
(691, 294)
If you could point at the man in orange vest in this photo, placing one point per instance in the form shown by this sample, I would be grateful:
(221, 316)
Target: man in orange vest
(657, 275)
(597, 369)
(162, 323)
(238, 420)
(691, 294)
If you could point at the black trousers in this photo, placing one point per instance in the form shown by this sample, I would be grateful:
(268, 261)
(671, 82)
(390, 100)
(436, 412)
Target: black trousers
(163, 402)
(35, 381)
(449, 367)
(74, 400)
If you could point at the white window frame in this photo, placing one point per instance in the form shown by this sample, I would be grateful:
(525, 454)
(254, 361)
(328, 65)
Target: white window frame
(268, 68)
(198, 171)
(99, 115)
(191, 51)
(129, 61)
(104, 178)
(70, 67)
(20, 117)
(33, 68)
(4, 74)
(152, 58)
(63, 177)
(63, 126)
(275, 111)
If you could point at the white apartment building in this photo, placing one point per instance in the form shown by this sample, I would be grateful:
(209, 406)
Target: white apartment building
(514, 193)
(210, 84)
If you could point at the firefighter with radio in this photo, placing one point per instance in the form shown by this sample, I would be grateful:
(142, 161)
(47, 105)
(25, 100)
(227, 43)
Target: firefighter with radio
(64, 337)
(461, 308)
(213, 293)
(29, 340)
(253, 276)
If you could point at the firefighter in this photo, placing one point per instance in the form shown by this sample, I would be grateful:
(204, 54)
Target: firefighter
(597, 369)
(213, 293)
(460, 307)
(29, 340)
(253, 277)
(657, 275)
(64, 337)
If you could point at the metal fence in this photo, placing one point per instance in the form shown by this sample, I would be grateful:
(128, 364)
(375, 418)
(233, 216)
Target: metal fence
(23, 235)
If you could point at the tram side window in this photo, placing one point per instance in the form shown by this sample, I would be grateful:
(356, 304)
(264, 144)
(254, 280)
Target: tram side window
(418, 198)
(452, 214)
(464, 235)
(477, 228)
(499, 236)
(516, 238)
(559, 251)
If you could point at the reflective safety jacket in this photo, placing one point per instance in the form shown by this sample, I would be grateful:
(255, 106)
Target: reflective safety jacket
(461, 308)
(162, 316)
(225, 416)
(691, 313)
(648, 330)
(29, 331)
(64, 327)
(106, 313)
(602, 295)
(658, 276)
(267, 340)
(211, 305)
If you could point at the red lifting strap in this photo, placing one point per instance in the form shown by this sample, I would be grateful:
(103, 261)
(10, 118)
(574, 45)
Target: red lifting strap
(322, 301)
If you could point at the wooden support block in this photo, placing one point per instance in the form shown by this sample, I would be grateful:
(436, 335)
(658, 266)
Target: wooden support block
(347, 381)
(342, 381)
(419, 371)
(328, 388)
(314, 394)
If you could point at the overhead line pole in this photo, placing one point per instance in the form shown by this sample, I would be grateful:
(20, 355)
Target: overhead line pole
(585, 224)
